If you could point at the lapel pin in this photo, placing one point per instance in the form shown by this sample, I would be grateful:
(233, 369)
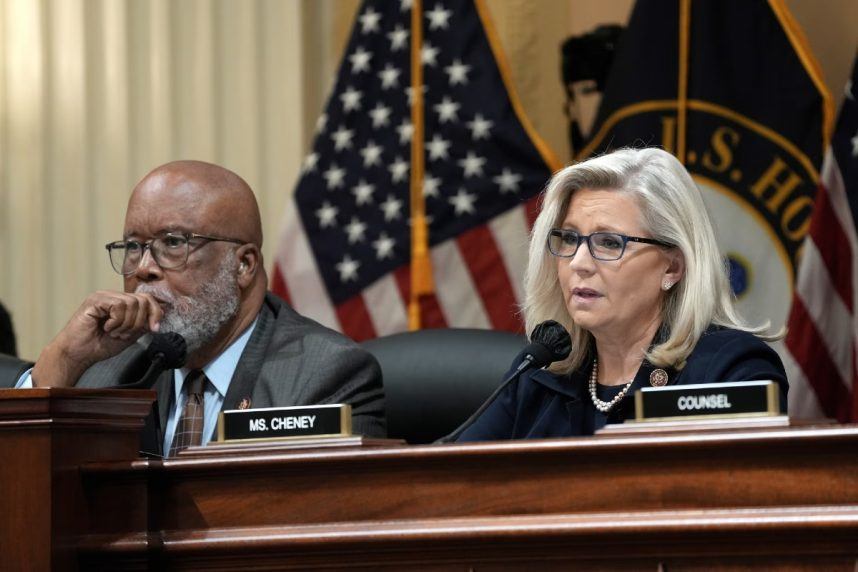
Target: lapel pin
(658, 378)
(244, 403)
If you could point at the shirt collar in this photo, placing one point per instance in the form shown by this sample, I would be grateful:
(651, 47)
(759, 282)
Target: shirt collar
(219, 371)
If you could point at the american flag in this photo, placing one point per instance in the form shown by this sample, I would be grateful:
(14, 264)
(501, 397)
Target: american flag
(344, 254)
(822, 336)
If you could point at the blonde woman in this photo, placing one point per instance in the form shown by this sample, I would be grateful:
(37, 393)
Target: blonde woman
(624, 256)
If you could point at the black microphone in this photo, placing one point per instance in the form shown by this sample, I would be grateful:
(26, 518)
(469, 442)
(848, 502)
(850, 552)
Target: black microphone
(165, 351)
(550, 342)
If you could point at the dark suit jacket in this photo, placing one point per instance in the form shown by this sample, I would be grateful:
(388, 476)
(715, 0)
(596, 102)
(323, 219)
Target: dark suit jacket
(543, 404)
(289, 360)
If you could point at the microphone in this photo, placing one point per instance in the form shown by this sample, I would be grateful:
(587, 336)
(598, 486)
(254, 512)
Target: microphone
(550, 342)
(165, 351)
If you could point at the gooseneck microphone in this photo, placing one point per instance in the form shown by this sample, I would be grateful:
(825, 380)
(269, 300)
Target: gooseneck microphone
(165, 351)
(550, 342)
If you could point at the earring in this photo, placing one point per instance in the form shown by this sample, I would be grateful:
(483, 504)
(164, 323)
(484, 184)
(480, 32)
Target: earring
(666, 285)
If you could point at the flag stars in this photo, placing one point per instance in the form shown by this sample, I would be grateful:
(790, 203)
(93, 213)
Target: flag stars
(363, 193)
(398, 170)
(463, 202)
(430, 186)
(507, 181)
(321, 123)
(405, 130)
(438, 17)
(458, 72)
(355, 230)
(480, 127)
(351, 99)
(310, 162)
(447, 110)
(855, 145)
(398, 38)
(348, 269)
(429, 54)
(360, 60)
(342, 138)
(472, 165)
(334, 177)
(437, 148)
(848, 91)
(380, 116)
(383, 246)
(371, 154)
(405, 5)
(391, 208)
(369, 21)
(389, 77)
(327, 215)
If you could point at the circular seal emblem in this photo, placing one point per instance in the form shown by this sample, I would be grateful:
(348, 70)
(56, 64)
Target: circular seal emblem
(658, 378)
(244, 403)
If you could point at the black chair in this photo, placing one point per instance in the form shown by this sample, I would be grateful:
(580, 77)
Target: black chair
(435, 379)
(11, 369)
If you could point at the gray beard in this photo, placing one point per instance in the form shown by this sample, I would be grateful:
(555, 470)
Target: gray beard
(199, 318)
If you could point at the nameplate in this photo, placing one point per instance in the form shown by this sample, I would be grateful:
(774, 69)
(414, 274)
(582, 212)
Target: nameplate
(711, 400)
(285, 423)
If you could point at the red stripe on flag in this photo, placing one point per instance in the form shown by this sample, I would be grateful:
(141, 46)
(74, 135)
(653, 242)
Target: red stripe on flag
(486, 265)
(431, 315)
(278, 285)
(354, 319)
(833, 246)
(805, 343)
(531, 208)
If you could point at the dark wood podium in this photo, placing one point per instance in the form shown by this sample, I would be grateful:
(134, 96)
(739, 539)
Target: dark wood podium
(758, 495)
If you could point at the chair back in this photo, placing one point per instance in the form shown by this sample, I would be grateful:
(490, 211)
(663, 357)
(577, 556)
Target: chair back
(435, 379)
(11, 369)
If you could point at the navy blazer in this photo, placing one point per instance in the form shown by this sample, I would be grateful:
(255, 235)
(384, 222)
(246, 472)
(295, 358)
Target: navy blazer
(544, 404)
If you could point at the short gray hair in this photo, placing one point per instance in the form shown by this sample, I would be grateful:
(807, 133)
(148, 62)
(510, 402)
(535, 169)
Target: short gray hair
(673, 211)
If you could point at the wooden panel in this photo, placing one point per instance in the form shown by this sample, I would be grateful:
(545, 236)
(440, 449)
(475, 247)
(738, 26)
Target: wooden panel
(767, 498)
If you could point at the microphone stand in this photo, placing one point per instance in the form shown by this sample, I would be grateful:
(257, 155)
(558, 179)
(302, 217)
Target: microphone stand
(526, 363)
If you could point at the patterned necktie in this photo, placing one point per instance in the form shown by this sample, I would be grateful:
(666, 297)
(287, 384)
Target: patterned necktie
(189, 430)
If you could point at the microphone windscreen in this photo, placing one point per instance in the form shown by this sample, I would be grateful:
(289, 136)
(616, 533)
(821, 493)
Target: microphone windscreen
(554, 337)
(170, 348)
(540, 353)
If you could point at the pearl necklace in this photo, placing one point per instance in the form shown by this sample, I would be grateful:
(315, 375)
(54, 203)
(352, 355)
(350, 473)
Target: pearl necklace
(605, 406)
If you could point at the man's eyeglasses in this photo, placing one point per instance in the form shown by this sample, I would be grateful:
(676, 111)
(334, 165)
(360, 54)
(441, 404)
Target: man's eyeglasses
(170, 251)
(602, 245)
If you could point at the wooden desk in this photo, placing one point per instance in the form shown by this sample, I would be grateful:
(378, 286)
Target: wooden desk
(764, 498)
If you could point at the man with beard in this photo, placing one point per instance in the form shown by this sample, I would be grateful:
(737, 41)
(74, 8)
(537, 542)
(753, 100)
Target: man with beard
(192, 265)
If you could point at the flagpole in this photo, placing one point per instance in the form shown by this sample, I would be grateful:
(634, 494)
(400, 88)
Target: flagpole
(682, 95)
(421, 266)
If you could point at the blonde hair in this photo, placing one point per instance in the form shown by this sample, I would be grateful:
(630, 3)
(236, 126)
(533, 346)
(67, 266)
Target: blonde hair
(672, 211)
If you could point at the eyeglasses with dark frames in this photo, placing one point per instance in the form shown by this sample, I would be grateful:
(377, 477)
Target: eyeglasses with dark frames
(603, 245)
(170, 251)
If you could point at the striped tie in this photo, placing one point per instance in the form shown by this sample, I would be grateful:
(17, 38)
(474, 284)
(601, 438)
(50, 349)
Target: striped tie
(189, 430)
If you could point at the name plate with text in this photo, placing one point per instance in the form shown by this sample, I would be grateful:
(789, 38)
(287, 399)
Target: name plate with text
(285, 423)
(712, 400)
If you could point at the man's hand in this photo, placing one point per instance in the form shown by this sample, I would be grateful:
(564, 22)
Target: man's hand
(104, 325)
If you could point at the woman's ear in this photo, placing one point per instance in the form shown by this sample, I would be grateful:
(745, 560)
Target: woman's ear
(675, 269)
